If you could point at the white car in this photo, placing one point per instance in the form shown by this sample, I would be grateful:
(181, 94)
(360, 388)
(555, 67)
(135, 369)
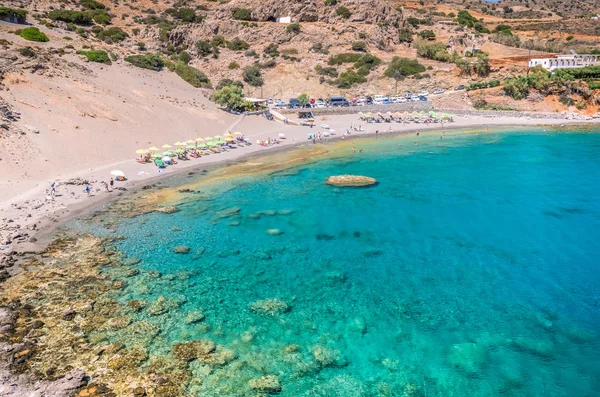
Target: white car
(424, 93)
(378, 99)
(402, 100)
(415, 98)
(439, 91)
(320, 105)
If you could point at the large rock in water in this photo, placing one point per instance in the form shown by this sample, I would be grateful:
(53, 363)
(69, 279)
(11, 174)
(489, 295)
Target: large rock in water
(350, 181)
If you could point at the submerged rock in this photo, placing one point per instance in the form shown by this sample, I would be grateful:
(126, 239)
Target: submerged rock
(267, 384)
(181, 249)
(269, 307)
(467, 357)
(274, 232)
(350, 181)
(194, 317)
(167, 210)
(193, 350)
(328, 357)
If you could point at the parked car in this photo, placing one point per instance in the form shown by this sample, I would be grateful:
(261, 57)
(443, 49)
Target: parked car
(460, 87)
(415, 98)
(408, 95)
(369, 100)
(422, 98)
(338, 101)
(320, 104)
(424, 93)
(362, 100)
(402, 100)
(378, 99)
(439, 91)
(294, 103)
(270, 101)
(281, 104)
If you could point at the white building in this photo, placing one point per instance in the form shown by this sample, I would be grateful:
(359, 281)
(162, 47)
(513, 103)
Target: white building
(566, 61)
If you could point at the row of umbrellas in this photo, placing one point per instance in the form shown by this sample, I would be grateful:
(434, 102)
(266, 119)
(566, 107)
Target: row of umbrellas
(416, 115)
(198, 143)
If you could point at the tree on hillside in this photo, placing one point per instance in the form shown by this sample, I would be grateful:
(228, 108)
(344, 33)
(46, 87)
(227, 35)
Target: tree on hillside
(230, 97)
(303, 99)
(252, 76)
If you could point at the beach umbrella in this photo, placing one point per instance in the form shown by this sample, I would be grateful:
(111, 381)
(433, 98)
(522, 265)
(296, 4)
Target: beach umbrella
(220, 142)
(168, 153)
(156, 155)
(117, 173)
(141, 151)
(217, 137)
(179, 151)
(212, 144)
(202, 145)
(167, 146)
(166, 159)
(208, 138)
(191, 146)
(237, 133)
(179, 144)
(229, 139)
(199, 140)
(229, 133)
(191, 141)
(154, 148)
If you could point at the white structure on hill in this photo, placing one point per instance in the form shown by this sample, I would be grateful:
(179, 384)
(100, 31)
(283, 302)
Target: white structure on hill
(566, 61)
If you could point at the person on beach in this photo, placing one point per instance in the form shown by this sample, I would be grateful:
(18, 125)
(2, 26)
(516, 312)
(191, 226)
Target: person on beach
(390, 129)
(353, 149)
(105, 186)
(87, 189)
(53, 190)
(376, 133)
(112, 183)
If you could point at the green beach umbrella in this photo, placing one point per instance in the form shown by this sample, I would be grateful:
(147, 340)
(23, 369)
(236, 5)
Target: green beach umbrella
(217, 137)
(156, 155)
(220, 142)
(191, 146)
(179, 151)
(168, 153)
(208, 138)
(202, 145)
(212, 144)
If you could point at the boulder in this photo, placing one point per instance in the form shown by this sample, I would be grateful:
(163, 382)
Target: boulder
(328, 357)
(193, 350)
(269, 307)
(181, 249)
(267, 384)
(350, 181)
(194, 317)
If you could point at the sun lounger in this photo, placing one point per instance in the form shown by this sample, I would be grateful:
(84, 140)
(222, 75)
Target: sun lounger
(159, 163)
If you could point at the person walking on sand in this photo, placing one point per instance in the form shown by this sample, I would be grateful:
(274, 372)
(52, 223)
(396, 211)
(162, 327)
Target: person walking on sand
(53, 190)
(105, 186)
(87, 189)
(390, 129)
(112, 183)
(376, 133)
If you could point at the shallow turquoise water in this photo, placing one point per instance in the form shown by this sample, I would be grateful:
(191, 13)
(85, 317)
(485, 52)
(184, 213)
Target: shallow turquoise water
(470, 270)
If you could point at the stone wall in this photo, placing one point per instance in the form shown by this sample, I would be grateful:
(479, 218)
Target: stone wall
(394, 107)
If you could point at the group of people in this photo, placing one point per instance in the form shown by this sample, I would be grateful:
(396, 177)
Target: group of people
(269, 142)
(87, 189)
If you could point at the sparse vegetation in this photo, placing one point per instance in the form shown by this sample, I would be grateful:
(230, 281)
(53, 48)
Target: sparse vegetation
(238, 44)
(189, 74)
(112, 35)
(27, 52)
(253, 76)
(226, 82)
(326, 71)
(233, 65)
(359, 46)
(348, 79)
(92, 5)
(272, 50)
(293, 28)
(343, 12)
(432, 50)
(401, 68)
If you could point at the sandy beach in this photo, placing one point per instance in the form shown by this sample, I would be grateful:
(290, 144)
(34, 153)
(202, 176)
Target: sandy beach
(28, 212)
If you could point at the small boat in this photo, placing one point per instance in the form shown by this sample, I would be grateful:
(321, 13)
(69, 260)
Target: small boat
(325, 126)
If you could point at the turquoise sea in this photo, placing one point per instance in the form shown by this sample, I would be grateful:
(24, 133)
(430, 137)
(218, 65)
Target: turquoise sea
(471, 269)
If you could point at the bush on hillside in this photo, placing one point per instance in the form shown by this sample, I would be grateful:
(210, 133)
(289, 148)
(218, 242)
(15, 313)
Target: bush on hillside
(92, 5)
(230, 97)
(33, 34)
(204, 48)
(330, 2)
(359, 46)
(340, 59)
(71, 16)
(242, 14)
(343, 12)
(17, 15)
(226, 82)
(184, 57)
(436, 50)
(189, 74)
(238, 44)
(400, 68)
(426, 34)
(326, 71)
(293, 28)
(348, 79)
(112, 35)
(253, 76)
(272, 50)
(517, 88)
(187, 15)
(147, 61)
(218, 41)
(96, 56)
(405, 35)
(27, 52)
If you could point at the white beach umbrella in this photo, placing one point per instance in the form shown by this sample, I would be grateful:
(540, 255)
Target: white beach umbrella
(117, 173)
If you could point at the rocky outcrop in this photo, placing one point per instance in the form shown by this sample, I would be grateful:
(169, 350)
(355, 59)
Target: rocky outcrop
(269, 307)
(350, 181)
(266, 384)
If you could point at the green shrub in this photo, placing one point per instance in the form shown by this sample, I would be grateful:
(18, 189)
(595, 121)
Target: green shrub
(92, 5)
(271, 63)
(204, 48)
(359, 46)
(218, 41)
(566, 100)
(362, 36)
(187, 15)
(189, 74)
(147, 61)
(326, 71)
(348, 79)
(99, 56)
(112, 35)
(230, 97)
(100, 17)
(27, 52)
(330, 2)
(141, 45)
(71, 16)
(426, 34)
(238, 44)
(272, 50)
(436, 51)
(293, 28)
(242, 14)
(226, 82)
(33, 34)
(343, 12)
(517, 88)
(400, 68)
(340, 59)
(17, 15)
(366, 63)
(253, 76)
(250, 53)
(233, 65)
(466, 19)
(405, 35)
(185, 57)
